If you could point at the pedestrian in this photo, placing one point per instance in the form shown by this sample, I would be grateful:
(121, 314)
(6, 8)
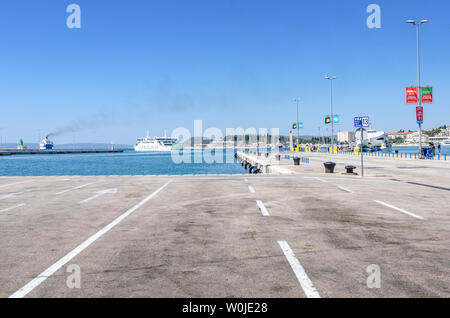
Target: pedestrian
(428, 153)
(439, 148)
(433, 150)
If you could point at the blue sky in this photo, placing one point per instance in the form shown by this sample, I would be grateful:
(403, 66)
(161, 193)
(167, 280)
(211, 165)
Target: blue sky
(153, 65)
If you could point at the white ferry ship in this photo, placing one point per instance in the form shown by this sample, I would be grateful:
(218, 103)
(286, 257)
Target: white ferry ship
(46, 144)
(372, 139)
(157, 144)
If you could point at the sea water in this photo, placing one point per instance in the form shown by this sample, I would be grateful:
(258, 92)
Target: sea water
(445, 150)
(126, 163)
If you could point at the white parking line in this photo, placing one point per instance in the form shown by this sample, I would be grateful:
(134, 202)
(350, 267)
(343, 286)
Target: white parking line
(251, 189)
(12, 208)
(7, 196)
(320, 179)
(345, 189)
(400, 210)
(52, 269)
(21, 182)
(262, 208)
(76, 188)
(299, 271)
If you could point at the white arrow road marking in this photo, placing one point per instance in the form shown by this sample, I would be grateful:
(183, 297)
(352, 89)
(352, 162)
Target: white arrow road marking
(76, 188)
(299, 271)
(7, 196)
(12, 208)
(251, 189)
(321, 180)
(400, 210)
(80, 248)
(99, 194)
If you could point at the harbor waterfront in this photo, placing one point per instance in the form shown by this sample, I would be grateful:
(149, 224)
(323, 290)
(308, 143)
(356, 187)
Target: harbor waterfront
(202, 236)
(224, 157)
(12, 152)
(120, 163)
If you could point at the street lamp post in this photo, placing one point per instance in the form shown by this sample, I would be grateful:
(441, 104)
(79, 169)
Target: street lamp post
(331, 78)
(419, 91)
(297, 100)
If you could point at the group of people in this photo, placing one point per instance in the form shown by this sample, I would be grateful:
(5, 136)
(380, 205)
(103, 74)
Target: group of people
(431, 151)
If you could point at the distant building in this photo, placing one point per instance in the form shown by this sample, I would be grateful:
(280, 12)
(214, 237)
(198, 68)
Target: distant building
(413, 138)
(444, 132)
(394, 135)
(346, 136)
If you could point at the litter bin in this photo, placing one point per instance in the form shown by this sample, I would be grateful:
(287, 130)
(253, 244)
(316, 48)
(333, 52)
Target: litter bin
(296, 161)
(329, 167)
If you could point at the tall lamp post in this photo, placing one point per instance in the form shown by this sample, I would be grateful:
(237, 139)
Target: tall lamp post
(419, 90)
(331, 78)
(297, 100)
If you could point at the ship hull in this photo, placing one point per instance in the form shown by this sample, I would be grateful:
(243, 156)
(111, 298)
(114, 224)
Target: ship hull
(151, 148)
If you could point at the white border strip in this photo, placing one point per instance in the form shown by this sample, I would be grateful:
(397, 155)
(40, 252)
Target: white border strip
(251, 189)
(52, 269)
(299, 271)
(400, 210)
(12, 208)
(262, 208)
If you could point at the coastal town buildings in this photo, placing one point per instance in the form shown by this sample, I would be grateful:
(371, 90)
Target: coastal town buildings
(346, 136)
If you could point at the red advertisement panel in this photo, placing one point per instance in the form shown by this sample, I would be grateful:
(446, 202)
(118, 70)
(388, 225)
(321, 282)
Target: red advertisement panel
(419, 113)
(411, 95)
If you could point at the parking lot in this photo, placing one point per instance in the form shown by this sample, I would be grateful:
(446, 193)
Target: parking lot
(311, 235)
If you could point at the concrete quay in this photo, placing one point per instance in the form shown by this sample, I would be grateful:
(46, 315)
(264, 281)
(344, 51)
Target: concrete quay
(302, 235)
(373, 166)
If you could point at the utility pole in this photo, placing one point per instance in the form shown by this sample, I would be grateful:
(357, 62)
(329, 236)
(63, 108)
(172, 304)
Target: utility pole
(419, 88)
(331, 78)
(297, 100)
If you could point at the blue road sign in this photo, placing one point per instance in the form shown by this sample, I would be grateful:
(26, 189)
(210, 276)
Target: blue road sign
(420, 122)
(360, 122)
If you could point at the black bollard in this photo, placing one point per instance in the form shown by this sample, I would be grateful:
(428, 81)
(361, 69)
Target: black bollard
(329, 167)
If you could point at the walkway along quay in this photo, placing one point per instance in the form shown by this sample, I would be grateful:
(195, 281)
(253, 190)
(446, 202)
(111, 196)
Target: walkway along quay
(302, 235)
(374, 166)
(10, 152)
